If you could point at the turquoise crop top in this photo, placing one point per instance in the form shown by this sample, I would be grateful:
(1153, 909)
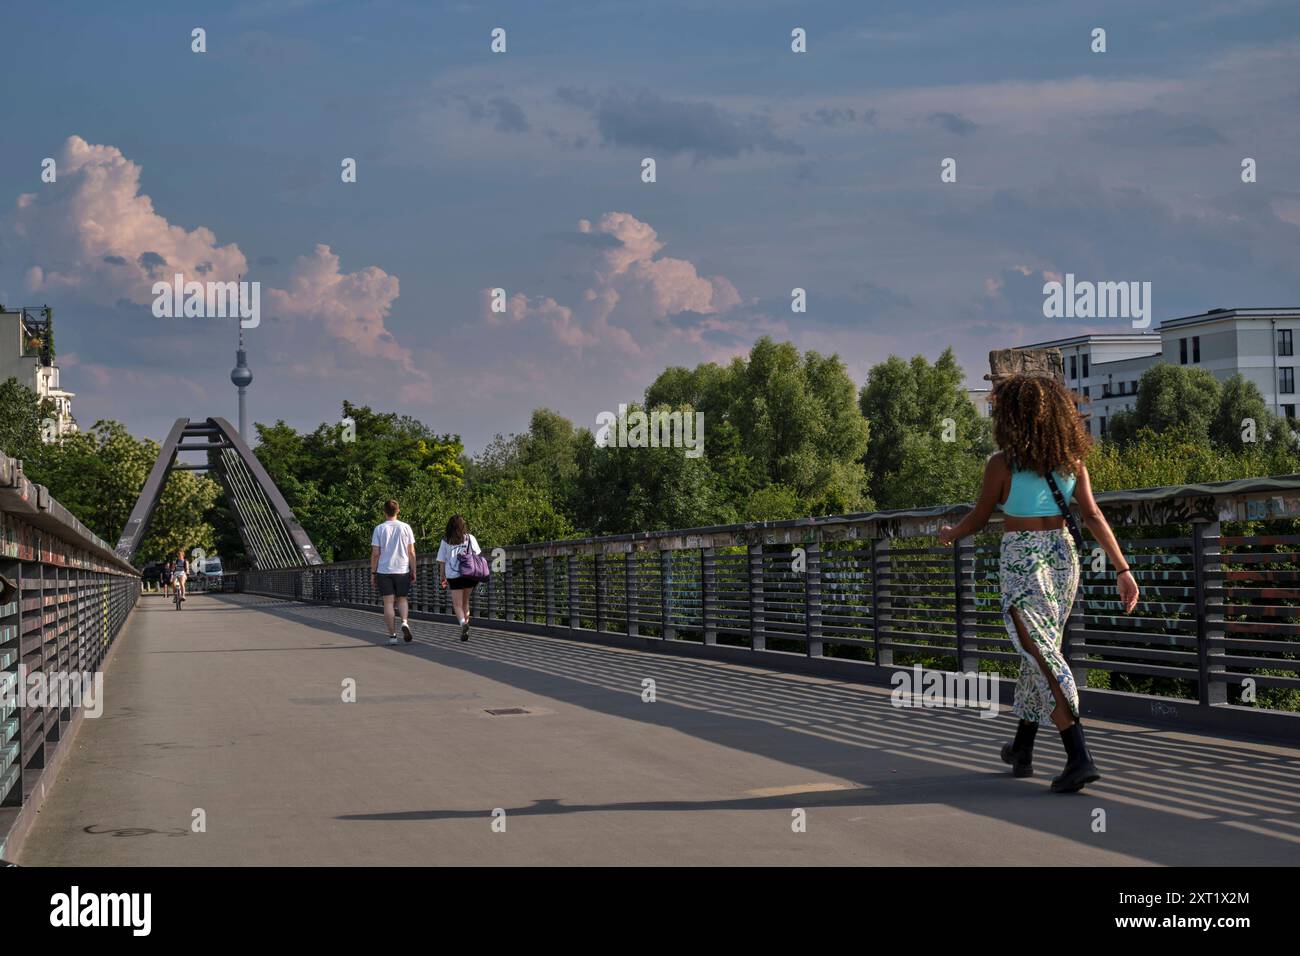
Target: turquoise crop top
(1030, 497)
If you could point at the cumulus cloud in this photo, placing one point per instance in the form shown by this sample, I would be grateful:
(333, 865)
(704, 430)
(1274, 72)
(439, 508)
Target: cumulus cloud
(350, 306)
(96, 236)
(635, 297)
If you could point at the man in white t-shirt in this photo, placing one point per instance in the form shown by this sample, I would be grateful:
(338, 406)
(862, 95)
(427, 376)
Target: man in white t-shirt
(392, 568)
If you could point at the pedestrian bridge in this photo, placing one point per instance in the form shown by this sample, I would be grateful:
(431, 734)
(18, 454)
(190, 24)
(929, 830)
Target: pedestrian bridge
(718, 695)
(235, 707)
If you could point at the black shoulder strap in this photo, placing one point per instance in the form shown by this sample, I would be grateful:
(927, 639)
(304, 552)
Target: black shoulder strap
(1071, 522)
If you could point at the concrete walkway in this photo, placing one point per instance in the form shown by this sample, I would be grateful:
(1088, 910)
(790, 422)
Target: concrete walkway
(234, 707)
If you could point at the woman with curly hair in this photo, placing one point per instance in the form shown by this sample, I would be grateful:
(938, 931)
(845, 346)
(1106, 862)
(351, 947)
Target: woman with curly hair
(1043, 445)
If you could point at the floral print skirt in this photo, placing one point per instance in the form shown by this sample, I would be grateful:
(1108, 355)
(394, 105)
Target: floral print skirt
(1039, 573)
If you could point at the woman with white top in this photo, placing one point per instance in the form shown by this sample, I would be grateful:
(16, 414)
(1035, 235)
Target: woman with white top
(457, 541)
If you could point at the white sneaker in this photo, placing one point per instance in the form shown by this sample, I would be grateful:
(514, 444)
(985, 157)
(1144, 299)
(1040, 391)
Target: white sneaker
(392, 638)
(406, 632)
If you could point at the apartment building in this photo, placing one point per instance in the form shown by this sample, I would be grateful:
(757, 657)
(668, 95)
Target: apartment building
(1259, 344)
(27, 354)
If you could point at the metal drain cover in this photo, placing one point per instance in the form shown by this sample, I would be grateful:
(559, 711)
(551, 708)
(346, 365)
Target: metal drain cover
(506, 711)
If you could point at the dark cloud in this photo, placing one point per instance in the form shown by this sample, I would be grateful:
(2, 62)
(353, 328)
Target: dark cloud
(1129, 235)
(1147, 128)
(115, 260)
(564, 141)
(1015, 292)
(505, 114)
(203, 268)
(725, 338)
(866, 303)
(576, 97)
(878, 298)
(645, 120)
(833, 118)
(953, 123)
(149, 261)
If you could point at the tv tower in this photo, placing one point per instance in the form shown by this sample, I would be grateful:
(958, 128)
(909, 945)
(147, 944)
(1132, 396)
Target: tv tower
(242, 377)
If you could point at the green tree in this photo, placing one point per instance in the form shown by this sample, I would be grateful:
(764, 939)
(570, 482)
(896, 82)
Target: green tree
(927, 439)
(1241, 414)
(337, 477)
(1181, 397)
(98, 475)
(22, 414)
(545, 457)
(776, 417)
(645, 489)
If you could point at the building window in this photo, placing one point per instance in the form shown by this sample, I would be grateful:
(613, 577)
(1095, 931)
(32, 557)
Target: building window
(1085, 366)
(1101, 424)
(1286, 380)
(1196, 348)
(1284, 342)
(1133, 387)
(1085, 392)
(1288, 411)
(1182, 351)
(1074, 367)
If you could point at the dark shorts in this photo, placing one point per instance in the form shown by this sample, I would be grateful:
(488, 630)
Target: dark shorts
(398, 585)
(461, 584)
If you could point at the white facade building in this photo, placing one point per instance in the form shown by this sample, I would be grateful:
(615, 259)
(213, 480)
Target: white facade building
(26, 354)
(1259, 344)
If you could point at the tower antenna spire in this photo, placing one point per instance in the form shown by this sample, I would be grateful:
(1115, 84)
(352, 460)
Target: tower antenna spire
(241, 376)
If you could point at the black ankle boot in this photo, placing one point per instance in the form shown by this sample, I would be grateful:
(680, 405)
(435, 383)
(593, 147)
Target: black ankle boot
(1079, 768)
(1020, 752)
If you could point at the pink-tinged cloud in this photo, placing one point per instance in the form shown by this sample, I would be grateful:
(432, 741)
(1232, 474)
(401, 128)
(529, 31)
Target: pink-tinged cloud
(93, 234)
(633, 290)
(351, 307)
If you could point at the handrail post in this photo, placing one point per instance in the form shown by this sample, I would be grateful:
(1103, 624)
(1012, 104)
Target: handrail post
(508, 587)
(963, 588)
(548, 588)
(574, 603)
(600, 571)
(526, 599)
(880, 601)
(1207, 564)
(812, 599)
(708, 595)
(630, 589)
(666, 629)
(757, 619)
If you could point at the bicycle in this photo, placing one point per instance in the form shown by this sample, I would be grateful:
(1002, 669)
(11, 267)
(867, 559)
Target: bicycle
(177, 599)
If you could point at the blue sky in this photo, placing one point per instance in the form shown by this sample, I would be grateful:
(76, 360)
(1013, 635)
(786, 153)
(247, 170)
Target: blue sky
(522, 171)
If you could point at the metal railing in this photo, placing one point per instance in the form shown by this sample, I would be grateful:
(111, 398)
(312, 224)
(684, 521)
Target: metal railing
(1218, 565)
(73, 596)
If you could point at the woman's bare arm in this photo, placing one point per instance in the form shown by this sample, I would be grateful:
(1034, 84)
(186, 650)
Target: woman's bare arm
(995, 476)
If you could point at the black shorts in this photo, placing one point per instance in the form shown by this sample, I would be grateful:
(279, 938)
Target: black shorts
(461, 584)
(398, 585)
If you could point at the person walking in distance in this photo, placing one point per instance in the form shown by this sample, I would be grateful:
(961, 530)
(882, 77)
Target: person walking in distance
(1040, 464)
(392, 568)
(456, 542)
